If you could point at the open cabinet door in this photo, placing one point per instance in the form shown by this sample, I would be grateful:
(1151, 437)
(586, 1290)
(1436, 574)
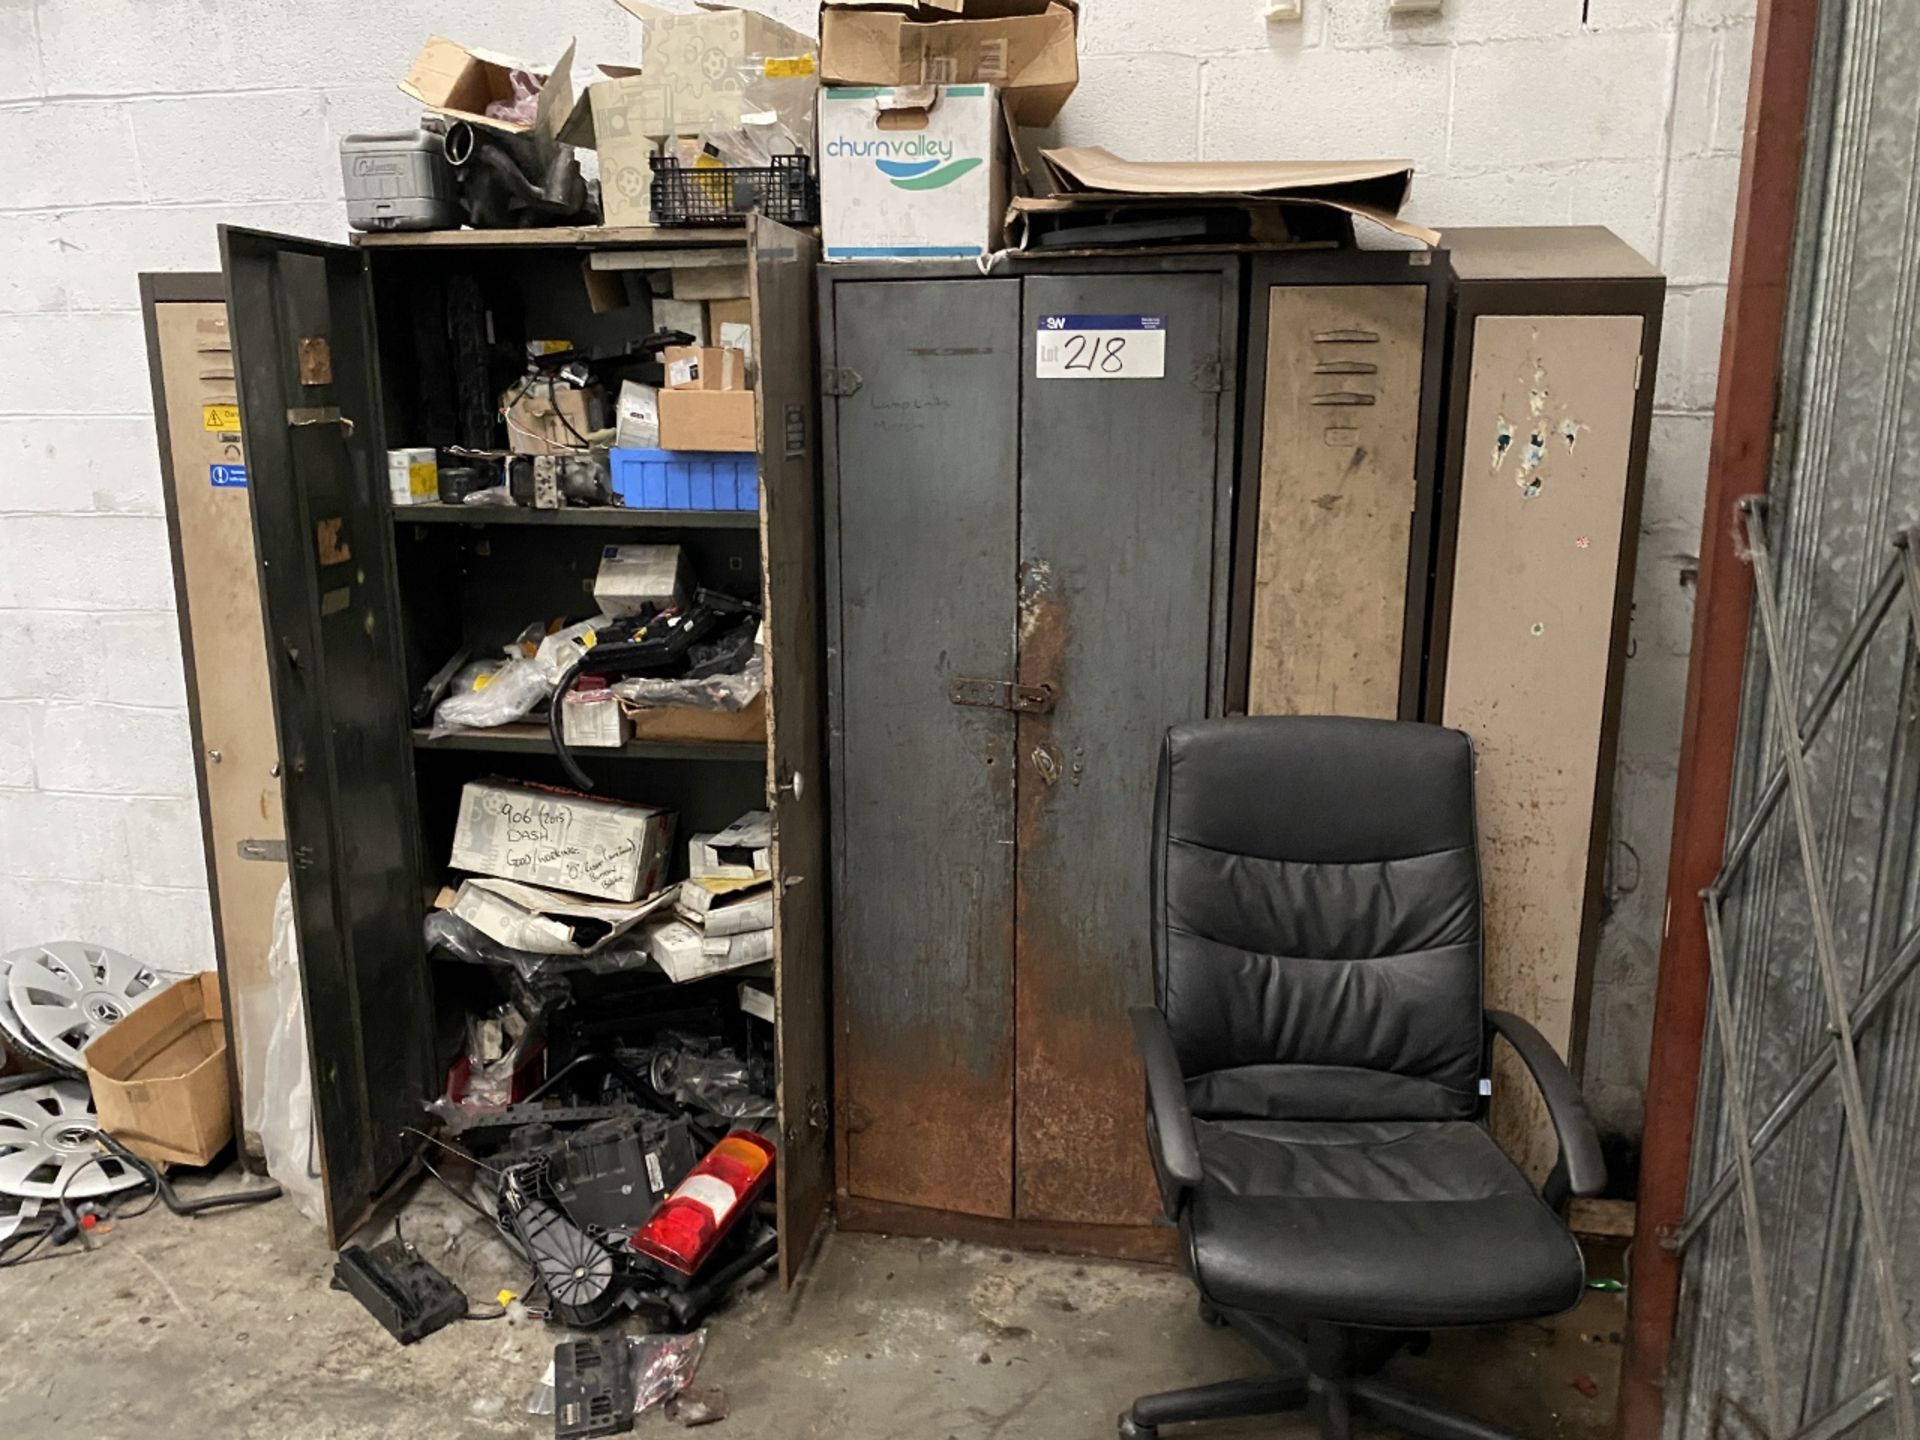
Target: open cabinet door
(301, 319)
(780, 285)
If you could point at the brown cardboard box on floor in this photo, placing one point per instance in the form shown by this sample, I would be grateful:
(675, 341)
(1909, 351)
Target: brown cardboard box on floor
(159, 1077)
(706, 420)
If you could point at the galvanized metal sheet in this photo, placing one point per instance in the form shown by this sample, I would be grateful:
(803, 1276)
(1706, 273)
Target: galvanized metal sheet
(1846, 478)
(924, 517)
(1119, 543)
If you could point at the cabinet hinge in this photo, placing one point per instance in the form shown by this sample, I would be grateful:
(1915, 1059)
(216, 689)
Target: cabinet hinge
(819, 1114)
(854, 1117)
(839, 380)
(1207, 378)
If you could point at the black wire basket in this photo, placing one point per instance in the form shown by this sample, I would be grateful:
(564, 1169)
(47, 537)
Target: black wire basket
(786, 190)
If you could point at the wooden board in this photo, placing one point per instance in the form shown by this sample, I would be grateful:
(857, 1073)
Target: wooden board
(582, 235)
(923, 519)
(1338, 485)
(1120, 543)
(1543, 493)
(783, 305)
(238, 757)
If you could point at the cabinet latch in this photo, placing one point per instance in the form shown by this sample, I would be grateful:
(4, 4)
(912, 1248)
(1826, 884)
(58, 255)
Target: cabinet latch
(839, 380)
(1001, 695)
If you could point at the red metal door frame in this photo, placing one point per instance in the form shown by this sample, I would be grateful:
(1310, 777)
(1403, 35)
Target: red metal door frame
(1783, 46)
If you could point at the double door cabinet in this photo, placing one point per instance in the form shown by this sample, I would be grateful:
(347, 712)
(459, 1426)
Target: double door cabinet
(1250, 503)
(344, 352)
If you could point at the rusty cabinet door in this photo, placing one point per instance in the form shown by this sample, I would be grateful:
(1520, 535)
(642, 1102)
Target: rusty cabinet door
(1122, 567)
(922, 552)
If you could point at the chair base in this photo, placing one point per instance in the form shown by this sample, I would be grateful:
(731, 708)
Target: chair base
(1329, 1375)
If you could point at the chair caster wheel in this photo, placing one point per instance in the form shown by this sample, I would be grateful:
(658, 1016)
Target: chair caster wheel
(1211, 1316)
(1131, 1429)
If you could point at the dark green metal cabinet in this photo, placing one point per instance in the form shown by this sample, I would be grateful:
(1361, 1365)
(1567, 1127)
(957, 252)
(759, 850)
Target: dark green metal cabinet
(302, 326)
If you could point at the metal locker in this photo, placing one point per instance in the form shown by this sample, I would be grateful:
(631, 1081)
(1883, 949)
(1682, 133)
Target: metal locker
(1026, 586)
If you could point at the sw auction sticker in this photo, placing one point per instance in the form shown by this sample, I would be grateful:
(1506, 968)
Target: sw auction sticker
(1100, 347)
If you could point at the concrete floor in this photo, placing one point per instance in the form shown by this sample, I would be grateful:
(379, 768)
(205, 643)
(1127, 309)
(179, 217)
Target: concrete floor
(225, 1327)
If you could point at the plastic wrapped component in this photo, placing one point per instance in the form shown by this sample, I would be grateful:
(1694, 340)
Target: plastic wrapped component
(451, 937)
(499, 695)
(280, 1109)
(711, 692)
(717, 1084)
(664, 1365)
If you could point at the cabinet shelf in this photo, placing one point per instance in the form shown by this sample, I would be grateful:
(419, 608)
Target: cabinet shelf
(533, 739)
(606, 516)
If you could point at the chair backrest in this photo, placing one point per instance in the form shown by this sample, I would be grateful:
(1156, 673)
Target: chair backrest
(1316, 918)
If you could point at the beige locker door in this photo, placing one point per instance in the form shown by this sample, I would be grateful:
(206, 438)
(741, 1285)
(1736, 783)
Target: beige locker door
(1543, 492)
(1338, 487)
(226, 661)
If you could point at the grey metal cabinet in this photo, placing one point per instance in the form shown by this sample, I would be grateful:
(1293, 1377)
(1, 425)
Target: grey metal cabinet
(1026, 584)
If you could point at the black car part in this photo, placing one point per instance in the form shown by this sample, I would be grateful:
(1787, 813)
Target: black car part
(510, 181)
(404, 1292)
(610, 1175)
(577, 1270)
(681, 1309)
(660, 647)
(593, 1389)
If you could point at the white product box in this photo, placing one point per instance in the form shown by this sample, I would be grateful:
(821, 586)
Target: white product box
(413, 476)
(912, 173)
(608, 848)
(632, 577)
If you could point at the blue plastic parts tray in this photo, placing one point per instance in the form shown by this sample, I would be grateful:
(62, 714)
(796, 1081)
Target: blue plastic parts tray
(686, 479)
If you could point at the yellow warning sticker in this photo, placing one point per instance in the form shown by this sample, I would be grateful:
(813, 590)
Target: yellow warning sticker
(220, 417)
(782, 67)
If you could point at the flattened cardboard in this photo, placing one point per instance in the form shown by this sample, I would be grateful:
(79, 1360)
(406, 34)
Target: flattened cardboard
(159, 1077)
(461, 81)
(545, 922)
(1374, 190)
(1027, 48)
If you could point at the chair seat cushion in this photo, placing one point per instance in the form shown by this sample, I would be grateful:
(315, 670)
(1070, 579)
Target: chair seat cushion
(1380, 1223)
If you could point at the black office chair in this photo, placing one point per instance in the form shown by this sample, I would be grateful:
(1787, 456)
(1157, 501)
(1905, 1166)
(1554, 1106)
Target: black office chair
(1315, 1068)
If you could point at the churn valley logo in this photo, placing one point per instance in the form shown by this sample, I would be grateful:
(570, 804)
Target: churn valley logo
(918, 163)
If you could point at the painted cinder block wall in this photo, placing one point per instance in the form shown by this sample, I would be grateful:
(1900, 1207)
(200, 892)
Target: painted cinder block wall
(130, 128)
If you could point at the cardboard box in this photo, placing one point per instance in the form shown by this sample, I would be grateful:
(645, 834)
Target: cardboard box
(460, 81)
(912, 174)
(677, 948)
(1025, 48)
(707, 420)
(159, 1077)
(543, 420)
(606, 848)
(633, 578)
(730, 324)
(693, 63)
(413, 476)
(743, 850)
(619, 117)
(691, 367)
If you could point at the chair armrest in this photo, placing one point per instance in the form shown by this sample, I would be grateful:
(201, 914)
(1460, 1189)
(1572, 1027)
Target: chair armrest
(1580, 1159)
(1176, 1151)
